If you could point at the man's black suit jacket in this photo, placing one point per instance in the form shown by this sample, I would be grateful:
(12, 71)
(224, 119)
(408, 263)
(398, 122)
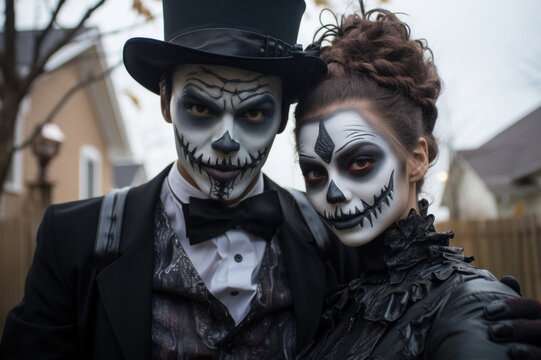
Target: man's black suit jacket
(72, 311)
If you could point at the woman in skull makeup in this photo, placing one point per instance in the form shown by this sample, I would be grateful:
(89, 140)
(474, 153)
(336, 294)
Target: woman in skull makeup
(365, 142)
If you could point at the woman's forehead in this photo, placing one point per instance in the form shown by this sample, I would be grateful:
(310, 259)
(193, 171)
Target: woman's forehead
(342, 127)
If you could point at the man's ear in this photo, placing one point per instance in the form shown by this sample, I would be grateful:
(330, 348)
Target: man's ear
(418, 162)
(165, 103)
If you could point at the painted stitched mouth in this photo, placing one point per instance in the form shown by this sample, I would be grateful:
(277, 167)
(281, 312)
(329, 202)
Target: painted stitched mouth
(224, 170)
(341, 221)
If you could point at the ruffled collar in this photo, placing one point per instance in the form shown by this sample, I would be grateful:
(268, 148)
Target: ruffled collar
(402, 246)
(387, 283)
(399, 268)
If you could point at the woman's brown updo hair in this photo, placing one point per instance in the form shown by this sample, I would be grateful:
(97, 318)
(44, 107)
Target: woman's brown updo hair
(373, 58)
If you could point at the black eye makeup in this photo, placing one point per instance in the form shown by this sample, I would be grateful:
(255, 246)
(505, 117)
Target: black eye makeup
(255, 115)
(314, 174)
(198, 106)
(198, 110)
(360, 159)
(256, 110)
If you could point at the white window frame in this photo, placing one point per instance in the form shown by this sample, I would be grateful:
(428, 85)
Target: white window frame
(89, 153)
(15, 183)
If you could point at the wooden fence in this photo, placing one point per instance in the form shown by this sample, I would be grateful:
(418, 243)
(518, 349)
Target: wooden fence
(17, 244)
(504, 246)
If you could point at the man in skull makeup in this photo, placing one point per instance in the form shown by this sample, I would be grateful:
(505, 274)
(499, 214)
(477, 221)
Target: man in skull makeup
(225, 120)
(215, 260)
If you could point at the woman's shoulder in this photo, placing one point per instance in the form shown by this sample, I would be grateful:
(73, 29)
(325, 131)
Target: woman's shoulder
(476, 291)
(460, 329)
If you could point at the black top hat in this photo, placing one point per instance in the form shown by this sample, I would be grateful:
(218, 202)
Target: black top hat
(257, 35)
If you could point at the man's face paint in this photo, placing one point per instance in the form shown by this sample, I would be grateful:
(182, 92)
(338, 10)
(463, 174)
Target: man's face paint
(354, 178)
(225, 121)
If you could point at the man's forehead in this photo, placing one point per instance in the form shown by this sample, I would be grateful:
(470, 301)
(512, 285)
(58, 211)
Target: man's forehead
(219, 81)
(219, 74)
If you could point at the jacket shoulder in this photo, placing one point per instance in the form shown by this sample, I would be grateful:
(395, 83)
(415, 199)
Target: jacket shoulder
(69, 230)
(460, 330)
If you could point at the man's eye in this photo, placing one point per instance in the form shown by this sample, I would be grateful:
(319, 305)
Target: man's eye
(198, 110)
(360, 167)
(314, 176)
(254, 115)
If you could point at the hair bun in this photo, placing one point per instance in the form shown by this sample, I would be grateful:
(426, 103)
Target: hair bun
(383, 50)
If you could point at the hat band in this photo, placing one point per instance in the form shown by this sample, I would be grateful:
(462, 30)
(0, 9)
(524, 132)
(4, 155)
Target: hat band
(235, 42)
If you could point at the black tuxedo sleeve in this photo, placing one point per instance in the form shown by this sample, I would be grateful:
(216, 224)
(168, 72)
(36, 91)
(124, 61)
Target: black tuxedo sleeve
(43, 325)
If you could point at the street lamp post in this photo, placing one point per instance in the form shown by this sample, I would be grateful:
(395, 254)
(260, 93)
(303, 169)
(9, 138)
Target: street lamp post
(45, 147)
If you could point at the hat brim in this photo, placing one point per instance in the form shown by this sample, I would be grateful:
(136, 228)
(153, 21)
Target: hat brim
(147, 59)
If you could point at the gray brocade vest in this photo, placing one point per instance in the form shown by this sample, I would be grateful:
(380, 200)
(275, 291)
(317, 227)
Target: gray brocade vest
(188, 322)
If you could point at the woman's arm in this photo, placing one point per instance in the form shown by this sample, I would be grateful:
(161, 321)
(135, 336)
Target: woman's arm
(460, 331)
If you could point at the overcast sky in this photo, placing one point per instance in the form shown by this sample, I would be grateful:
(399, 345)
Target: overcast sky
(487, 53)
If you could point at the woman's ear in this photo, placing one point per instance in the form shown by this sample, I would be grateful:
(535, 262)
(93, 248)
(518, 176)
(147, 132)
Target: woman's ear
(165, 103)
(418, 161)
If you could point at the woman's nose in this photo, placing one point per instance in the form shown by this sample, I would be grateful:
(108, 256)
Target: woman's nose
(334, 194)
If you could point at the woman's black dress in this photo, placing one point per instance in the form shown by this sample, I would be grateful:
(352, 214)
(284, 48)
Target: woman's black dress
(418, 298)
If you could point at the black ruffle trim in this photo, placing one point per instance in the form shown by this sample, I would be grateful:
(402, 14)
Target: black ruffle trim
(416, 257)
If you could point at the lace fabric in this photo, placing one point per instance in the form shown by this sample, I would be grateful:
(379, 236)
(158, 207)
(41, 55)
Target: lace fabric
(399, 268)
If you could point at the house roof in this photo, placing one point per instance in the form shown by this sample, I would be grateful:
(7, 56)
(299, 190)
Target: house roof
(505, 160)
(129, 174)
(86, 47)
(26, 39)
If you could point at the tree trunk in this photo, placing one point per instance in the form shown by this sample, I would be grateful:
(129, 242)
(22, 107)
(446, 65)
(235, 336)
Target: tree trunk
(8, 117)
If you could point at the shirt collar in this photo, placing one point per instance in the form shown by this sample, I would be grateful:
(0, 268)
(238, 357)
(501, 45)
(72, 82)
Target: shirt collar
(183, 190)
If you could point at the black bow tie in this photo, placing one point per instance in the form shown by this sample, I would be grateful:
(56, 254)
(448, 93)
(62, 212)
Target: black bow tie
(206, 218)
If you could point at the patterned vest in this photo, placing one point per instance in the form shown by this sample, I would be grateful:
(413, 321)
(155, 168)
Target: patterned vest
(188, 322)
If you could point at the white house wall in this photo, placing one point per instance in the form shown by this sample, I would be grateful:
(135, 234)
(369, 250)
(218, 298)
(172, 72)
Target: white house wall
(475, 201)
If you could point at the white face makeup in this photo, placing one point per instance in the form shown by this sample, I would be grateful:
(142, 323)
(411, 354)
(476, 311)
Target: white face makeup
(225, 121)
(354, 178)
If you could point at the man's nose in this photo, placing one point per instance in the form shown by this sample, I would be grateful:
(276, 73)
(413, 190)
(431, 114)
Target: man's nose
(225, 144)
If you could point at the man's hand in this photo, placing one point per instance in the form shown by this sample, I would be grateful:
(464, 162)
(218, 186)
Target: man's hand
(518, 321)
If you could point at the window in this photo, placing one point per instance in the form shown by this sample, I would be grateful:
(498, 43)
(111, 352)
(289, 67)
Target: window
(14, 180)
(89, 172)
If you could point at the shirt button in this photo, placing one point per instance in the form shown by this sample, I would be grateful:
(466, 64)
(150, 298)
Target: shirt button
(238, 258)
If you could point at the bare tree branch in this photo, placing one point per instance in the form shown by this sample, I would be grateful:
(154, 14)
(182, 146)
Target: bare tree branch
(38, 68)
(38, 43)
(54, 111)
(126, 28)
(8, 56)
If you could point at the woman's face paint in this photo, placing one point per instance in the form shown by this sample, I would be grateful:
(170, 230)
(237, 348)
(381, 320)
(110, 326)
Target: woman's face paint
(225, 121)
(354, 178)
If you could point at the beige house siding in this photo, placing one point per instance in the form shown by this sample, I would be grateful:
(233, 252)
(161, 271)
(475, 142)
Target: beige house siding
(78, 122)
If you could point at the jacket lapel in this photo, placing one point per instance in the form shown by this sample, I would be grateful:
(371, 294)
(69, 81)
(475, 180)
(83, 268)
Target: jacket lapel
(125, 285)
(305, 269)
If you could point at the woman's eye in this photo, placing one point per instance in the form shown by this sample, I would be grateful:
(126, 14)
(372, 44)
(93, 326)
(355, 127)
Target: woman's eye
(314, 176)
(198, 110)
(360, 167)
(254, 115)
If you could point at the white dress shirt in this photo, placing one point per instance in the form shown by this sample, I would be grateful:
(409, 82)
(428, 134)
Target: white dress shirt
(228, 264)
